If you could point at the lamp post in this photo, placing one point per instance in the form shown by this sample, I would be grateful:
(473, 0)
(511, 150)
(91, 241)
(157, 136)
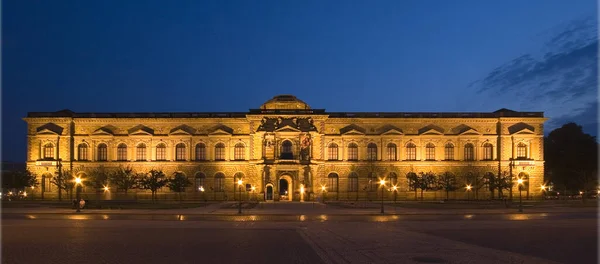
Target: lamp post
(382, 184)
(519, 183)
(201, 189)
(240, 191)
(323, 190)
(253, 188)
(78, 193)
(468, 192)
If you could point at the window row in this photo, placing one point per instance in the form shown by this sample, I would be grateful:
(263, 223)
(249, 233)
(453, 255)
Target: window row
(181, 153)
(411, 151)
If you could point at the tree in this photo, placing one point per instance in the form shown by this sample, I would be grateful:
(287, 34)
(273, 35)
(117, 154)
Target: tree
(413, 182)
(64, 181)
(504, 181)
(178, 183)
(19, 179)
(426, 181)
(153, 180)
(124, 178)
(447, 182)
(571, 158)
(98, 178)
(489, 180)
(476, 181)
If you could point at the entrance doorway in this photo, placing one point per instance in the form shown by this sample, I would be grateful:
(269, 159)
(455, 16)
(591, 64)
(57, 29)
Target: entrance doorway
(286, 192)
(269, 193)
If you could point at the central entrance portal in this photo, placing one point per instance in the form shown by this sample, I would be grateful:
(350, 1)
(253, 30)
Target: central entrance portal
(286, 192)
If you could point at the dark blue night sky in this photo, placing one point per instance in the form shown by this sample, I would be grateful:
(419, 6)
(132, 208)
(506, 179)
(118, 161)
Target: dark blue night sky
(211, 56)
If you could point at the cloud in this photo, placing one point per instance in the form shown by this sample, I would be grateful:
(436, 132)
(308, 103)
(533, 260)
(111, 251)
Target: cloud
(560, 79)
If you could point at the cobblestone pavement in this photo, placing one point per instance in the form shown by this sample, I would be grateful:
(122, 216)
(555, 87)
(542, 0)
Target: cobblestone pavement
(437, 239)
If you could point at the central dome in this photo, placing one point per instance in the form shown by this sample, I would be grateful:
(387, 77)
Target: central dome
(285, 101)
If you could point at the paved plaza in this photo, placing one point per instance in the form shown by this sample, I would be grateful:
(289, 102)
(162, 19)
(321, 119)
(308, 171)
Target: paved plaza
(291, 233)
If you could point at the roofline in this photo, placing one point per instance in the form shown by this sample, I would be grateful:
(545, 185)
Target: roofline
(289, 112)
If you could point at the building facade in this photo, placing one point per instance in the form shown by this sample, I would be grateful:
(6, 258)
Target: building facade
(287, 151)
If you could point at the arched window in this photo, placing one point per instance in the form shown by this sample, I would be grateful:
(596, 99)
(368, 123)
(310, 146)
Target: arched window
(122, 152)
(199, 182)
(102, 152)
(219, 182)
(449, 151)
(352, 151)
(82, 152)
(430, 151)
(220, 151)
(239, 151)
(372, 151)
(411, 151)
(469, 152)
(161, 152)
(488, 151)
(391, 151)
(353, 182)
(201, 151)
(332, 182)
(286, 150)
(521, 151)
(180, 152)
(332, 152)
(48, 151)
(140, 152)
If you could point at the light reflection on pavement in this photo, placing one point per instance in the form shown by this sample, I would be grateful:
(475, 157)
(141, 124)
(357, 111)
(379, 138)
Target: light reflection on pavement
(301, 218)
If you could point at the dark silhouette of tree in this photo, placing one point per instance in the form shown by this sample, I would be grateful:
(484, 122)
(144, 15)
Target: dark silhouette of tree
(447, 182)
(124, 178)
(153, 180)
(426, 181)
(178, 183)
(503, 182)
(413, 182)
(97, 178)
(65, 182)
(571, 158)
(19, 179)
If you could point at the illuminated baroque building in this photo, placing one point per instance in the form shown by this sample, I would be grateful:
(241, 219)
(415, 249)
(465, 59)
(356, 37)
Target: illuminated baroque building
(286, 140)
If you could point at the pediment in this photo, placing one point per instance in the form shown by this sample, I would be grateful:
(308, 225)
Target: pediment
(49, 129)
(464, 130)
(103, 131)
(521, 128)
(182, 130)
(470, 132)
(352, 130)
(140, 130)
(391, 130)
(287, 129)
(431, 130)
(221, 130)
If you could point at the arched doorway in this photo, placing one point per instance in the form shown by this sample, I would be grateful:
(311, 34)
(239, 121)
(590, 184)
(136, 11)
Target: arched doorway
(286, 190)
(269, 192)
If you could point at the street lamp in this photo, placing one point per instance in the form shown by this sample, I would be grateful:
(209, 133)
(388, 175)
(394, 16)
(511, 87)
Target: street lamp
(468, 191)
(201, 189)
(323, 190)
(382, 184)
(78, 195)
(395, 189)
(253, 188)
(543, 187)
(519, 183)
(302, 193)
(239, 182)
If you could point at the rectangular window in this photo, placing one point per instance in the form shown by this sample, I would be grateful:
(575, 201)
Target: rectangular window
(487, 153)
(392, 153)
(140, 154)
(430, 154)
(469, 155)
(102, 154)
(161, 153)
(48, 152)
(180, 153)
(371, 154)
(200, 153)
(333, 153)
(353, 184)
(122, 154)
(219, 184)
(239, 153)
(333, 184)
(219, 153)
(352, 153)
(411, 153)
(449, 153)
(83, 153)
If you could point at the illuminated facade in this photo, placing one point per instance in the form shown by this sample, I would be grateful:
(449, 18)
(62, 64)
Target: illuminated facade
(287, 141)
